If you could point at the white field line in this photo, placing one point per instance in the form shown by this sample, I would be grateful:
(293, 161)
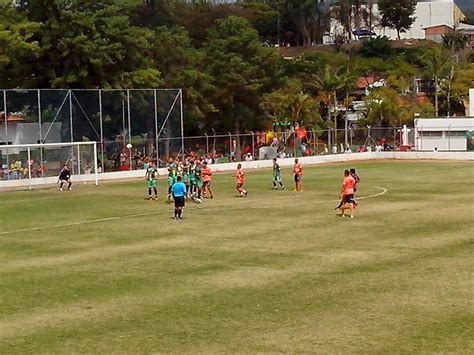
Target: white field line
(243, 200)
(384, 191)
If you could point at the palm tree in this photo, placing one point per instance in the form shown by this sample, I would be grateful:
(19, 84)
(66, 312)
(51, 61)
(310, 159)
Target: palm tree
(309, 17)
(328, 83)
(437, 63)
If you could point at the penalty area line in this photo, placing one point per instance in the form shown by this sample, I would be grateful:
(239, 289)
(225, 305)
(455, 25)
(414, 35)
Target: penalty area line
(108, 219)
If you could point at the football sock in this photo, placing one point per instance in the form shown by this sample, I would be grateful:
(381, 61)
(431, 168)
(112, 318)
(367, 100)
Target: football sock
(149, 191)
(156, 191)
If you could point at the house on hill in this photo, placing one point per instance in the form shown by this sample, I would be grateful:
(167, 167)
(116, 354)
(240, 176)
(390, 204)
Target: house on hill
(436, 33)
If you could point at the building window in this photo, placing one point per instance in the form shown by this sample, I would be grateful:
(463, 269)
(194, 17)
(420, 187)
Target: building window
(456, 134)
(437, 134)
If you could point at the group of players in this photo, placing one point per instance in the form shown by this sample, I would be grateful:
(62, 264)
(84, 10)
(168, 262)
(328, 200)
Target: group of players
(190, 178)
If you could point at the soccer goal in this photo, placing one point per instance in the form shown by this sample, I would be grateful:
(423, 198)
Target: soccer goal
(39, 164)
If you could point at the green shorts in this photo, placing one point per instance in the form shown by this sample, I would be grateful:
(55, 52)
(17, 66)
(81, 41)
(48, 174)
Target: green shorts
(151, 183)
(197, 183)
(276, 178)
(171, 180)
(186, 178)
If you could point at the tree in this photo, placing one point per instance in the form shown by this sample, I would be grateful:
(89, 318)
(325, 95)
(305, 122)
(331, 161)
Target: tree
(383, 108)
(242, 70)
(182, 66)
(437, 64)
(463, 81)
(455, 41)
(398, 14)
(96, 48)
(379, 47)
(328, 83)
(19, 49)
(308, 18)
(291, 104)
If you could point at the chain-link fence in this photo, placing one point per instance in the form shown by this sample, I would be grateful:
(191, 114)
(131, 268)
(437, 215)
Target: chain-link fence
(149, 120)
(19, 162)
(294, 143)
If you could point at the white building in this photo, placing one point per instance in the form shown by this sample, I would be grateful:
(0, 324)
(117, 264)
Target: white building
(428, 13)
(442, 134)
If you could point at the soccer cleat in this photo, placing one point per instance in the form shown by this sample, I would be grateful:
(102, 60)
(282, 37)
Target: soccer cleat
(61, 189)
(352, 216)
(245, 193)
(70, 189)
(283, 187)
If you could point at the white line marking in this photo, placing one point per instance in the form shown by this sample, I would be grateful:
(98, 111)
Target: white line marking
(243, 200)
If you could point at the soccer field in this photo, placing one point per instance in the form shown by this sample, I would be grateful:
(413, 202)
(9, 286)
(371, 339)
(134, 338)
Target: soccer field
(101, 269)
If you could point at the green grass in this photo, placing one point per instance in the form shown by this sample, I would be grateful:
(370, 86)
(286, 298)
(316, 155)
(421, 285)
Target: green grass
(274, 272)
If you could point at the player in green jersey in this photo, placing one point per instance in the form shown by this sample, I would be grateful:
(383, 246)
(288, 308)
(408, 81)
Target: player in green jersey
(151, 175)
(187, 170)
(172, 175)
(277, 175)
(196, 180)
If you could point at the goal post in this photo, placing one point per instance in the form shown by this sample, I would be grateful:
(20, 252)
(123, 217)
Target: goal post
(40, 164)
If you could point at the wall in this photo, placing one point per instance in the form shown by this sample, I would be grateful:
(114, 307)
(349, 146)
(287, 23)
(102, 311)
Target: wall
(257, 164)
(451, 144)
(426, 14)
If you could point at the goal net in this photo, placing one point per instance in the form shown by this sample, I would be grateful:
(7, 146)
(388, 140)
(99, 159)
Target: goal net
(39, 164)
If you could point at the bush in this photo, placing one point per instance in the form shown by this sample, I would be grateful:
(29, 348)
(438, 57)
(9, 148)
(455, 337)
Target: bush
(379, 47)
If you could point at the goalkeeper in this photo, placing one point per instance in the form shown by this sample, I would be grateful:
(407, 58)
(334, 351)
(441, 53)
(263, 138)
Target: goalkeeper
(151, 175)
(65, 176)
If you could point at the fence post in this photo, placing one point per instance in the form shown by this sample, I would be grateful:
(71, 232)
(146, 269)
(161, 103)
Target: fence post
(95, 165)
(155, 102)
(207, 143)
(71, 123)
(79, 160)
(28, 164)
(182, 119)
(5, 115)
(129, 120)
(253, 145)
(101, 132)
(345, 132)
(230, 146)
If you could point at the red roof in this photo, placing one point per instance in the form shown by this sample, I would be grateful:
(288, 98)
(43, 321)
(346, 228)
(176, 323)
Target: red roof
(11, 118)
(365, 81)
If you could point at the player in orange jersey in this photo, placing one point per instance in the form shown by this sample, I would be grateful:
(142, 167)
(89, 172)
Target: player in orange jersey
(206, 174)
(240, 176)
(298, 174)
(347, 193)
